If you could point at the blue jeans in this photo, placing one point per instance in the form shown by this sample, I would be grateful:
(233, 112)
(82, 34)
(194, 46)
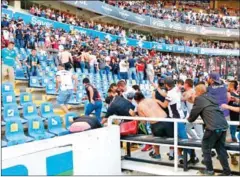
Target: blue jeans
(140, 76)
(132, 72)
(233, 130)
(91, 69)
(182, 134)
(19, 43)
(124, 75)
(103, 71)
(97, 106)
(115, 77)
(82, 66)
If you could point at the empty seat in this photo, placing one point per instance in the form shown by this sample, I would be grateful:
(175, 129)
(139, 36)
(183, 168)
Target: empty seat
(45, 81)
(69, 118)
(10, 112)
(51, 89)
(30, 111)
(36, 129)
(7, 87)
(47, 110)
(55, 126)
(34, 82)
(14, 133)
(4, 143)
(25, 98)
(20, 75)
(8, 98)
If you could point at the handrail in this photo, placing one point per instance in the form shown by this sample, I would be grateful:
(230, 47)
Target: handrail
(174, 120)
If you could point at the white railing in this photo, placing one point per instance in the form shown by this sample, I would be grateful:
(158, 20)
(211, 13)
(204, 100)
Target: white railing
(174, 120)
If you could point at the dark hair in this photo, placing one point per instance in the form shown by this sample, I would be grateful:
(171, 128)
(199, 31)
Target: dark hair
(86, 81)
(10, 42)
(160, 82)
(34, 49)
(235, 84)
(169, 82)
(180, 81)
(112, 85)
(201, 82)
(138, 96)
(189, 82)
(136, 87)
(109, 99)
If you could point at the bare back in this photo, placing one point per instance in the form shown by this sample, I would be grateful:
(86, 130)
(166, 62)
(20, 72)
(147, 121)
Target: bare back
(150, 108)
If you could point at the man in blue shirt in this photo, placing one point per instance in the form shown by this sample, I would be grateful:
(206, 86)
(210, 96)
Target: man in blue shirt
(132, 69)
(32, 63)
(9, 57)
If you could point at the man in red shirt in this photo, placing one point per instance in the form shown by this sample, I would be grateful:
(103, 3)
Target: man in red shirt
(140, 70)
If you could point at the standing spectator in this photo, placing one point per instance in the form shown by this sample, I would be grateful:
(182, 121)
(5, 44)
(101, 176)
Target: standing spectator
(95, 101)
(215, 129)
(9, 57)
(65, 87)
(140, 71)
(114, 65)
(150, 71)
(6, 35)
(66, 59)
(132, 69)
(41, 39)
(32, 63)
(123, 69)
(19, 36)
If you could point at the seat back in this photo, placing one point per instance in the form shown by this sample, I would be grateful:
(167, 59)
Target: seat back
(69, 118)
(46, 109)
(10, 111)
(20, 73)
(13, 128)
(79, 96)
(35, 126)
(7, 87)
(29, 110)
(45, 81)
(8, 98)
(34, 81)
(25, 98)
(54, 122)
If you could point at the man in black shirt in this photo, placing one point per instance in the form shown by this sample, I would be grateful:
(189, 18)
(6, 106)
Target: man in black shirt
(215, 129)
(32, 63)
(19, 36)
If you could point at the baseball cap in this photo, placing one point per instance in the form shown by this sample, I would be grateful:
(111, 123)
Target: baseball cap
(215, 77)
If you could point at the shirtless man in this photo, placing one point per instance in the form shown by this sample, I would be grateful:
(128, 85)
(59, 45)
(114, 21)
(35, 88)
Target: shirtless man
(150, 108)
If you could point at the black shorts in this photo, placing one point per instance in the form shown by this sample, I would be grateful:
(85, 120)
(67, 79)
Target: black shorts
(163, 129)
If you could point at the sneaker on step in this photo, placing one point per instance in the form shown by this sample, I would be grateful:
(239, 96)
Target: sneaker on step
(156, 156)
(206, 172)
(147, 148)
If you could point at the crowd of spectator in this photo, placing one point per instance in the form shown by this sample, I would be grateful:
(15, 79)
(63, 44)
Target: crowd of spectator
(120, 31)
(181, 14)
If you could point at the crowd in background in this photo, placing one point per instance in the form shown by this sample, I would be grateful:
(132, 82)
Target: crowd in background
(182, 15)
(120, 31)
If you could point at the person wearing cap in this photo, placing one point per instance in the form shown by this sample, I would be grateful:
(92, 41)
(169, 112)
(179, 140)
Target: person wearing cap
(65, 86)
(218, 91)
(9, 56)
(215, 129)
(94, 98)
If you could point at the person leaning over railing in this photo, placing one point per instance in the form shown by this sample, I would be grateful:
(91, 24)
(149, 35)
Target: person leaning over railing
(215, 129)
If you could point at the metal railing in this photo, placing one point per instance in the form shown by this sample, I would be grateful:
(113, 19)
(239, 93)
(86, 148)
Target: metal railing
(174, 120)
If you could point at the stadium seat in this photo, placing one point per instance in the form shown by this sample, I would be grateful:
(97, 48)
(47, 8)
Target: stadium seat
(25, 98)
(55, 126)
(7, 87)
(30, 111)
(69, 118)
(47, 110)
(45, 81)
(51, 89)
(36, 129)
(4, 143)
(20, 75)
(8, 98)
(3, 123)
(14, 133)
(10, 112)
(34, 82)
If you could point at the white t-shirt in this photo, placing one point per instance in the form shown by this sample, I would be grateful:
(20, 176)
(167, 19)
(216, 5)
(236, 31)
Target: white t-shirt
(174, 104)
(6, 34)
(66, 80)
(123, 67)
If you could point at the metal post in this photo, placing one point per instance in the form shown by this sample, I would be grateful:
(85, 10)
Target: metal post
(185, 165)
(175, 146)
(128, 149)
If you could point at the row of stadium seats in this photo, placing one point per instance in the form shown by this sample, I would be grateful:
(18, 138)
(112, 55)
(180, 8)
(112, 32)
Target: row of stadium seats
(14, 133)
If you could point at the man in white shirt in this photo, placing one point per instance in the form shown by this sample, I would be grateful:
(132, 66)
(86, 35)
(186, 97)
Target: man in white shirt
(123, 68)
(65, 86)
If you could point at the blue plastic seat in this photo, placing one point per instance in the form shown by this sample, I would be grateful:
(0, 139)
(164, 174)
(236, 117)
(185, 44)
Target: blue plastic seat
(7, 87)
(3, 123)
(47, 110)
(10, 112)
(69, 118)
(30, 111)
(20, 75)
(55, 126)
(8, 98)
(36, 129)
(14, 133)
(51, 89)
(34, 82)
(45, 81)
(4, 143)
(25, 98)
